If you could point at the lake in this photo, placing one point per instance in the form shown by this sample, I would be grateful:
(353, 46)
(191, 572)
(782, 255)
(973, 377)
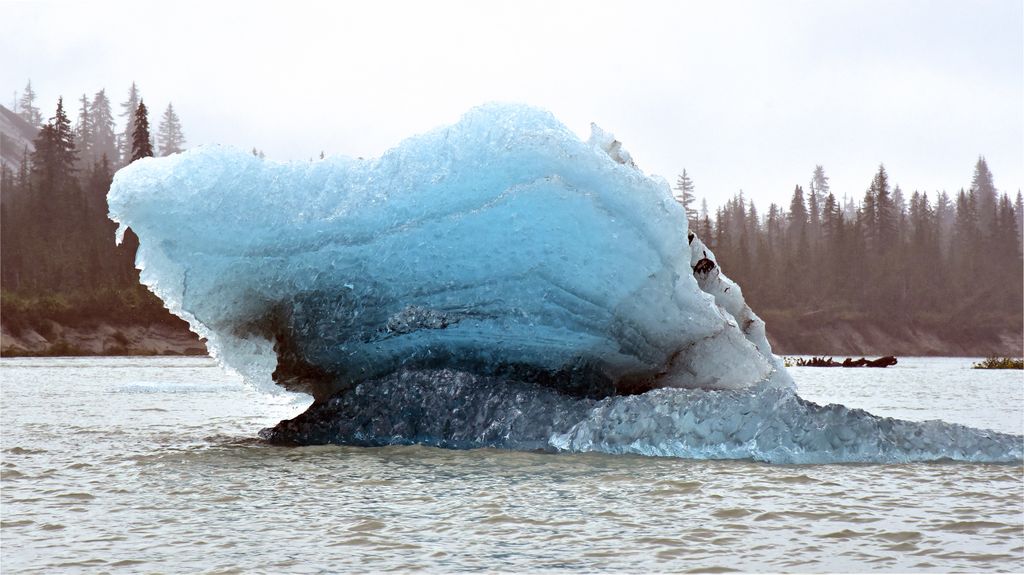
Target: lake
(153, 465)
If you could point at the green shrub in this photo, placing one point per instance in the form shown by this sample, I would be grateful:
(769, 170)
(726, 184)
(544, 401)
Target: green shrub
(1000, 363)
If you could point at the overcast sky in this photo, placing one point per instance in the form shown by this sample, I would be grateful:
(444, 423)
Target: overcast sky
(744, 95)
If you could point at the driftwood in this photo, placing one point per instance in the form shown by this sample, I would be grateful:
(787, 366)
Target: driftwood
(848, 362)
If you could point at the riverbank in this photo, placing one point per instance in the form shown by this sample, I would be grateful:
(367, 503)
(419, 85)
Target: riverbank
(816, 335)
(52, 339)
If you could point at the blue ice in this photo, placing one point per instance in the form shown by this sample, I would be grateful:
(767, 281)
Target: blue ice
(497, 282)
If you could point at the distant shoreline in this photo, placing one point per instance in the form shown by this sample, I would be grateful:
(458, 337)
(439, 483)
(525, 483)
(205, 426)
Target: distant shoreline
(834, 337)
(55, 340)
(789, 337)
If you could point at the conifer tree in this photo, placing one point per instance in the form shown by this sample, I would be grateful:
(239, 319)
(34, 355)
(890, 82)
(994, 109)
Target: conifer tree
(721, 233)
(24, 169)
(814, 205)
(686, 197)
(704, 228)
(819, 189)
(1018, 207)
(104, 138)
(929, 262)
(985, 194)
(797, 213)
(53, 206)
(169, 135)
(142, 144)
(944, 218)
(84, 132)
(128, 110)
(773, 224)
(1005, 236)
(966, 235)
(27, 108)
(54, 158)
(753, 220)
(831, 218)
(821, 185)
(886, 218)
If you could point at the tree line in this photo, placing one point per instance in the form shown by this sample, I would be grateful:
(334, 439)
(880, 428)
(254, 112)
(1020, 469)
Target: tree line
(943, 261)
(59, 258)
(940, 260)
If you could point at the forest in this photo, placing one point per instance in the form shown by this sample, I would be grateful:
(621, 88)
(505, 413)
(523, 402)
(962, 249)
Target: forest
(948, 265)
(59, 261)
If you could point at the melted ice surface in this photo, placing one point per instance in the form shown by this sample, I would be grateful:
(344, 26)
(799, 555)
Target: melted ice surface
(500, 245)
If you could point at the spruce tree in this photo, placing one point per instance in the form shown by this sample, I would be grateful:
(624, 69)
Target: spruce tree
(104, 137)
(24, 170)
(892, 264)
(54, 158)
(814, 201)
(831, 254)
(945, 215)
(84, 133)
(830, 219)
(966, 239)
(1018, 208)
(128, 110)
(1006, 230)
(821, 185)
(797, 215)
(169, 135)
(686, 197)
(819, 189)
(27, 108)
(53, 208)
(985, 194)
(884, 218)
(142, 145)
(899, 205)
(704, 228)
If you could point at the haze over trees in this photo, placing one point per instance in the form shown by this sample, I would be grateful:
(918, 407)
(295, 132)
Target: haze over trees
(684, 195)
(27, 108)
(941, 262)
(934, 261)
(170, 137)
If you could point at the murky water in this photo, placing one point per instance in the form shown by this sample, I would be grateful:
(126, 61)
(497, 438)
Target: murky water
(145, 464)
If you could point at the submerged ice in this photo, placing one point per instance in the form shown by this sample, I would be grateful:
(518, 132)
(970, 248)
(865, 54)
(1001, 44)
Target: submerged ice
(453, 409)
(494, 282)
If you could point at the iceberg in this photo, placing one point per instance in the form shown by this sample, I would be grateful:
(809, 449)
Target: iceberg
(496, 282)
(501, 245)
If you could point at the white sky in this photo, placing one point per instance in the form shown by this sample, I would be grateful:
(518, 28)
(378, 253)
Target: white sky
(744, 95)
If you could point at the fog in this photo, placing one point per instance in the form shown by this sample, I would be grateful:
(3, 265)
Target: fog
(744, 95)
